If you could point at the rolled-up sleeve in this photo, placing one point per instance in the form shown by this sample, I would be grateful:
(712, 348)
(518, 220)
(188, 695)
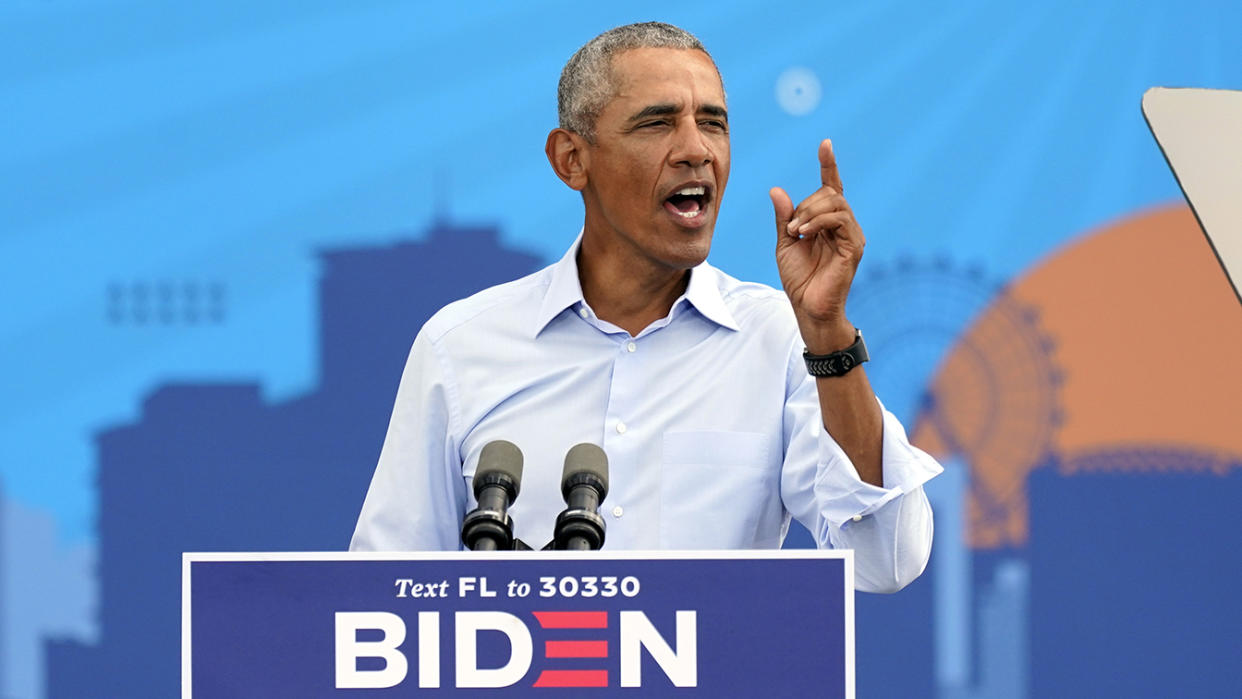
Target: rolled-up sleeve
(417, 496)
(889, 528)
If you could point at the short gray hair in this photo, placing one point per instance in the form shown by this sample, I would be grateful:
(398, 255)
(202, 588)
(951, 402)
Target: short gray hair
(587, 82)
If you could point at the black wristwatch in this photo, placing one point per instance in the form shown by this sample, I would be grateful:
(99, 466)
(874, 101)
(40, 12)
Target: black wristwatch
(838, 363)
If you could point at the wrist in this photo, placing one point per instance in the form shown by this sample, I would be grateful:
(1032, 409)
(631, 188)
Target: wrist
(826, 337)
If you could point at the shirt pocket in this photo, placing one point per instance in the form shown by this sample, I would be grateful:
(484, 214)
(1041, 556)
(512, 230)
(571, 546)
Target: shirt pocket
(719, 490)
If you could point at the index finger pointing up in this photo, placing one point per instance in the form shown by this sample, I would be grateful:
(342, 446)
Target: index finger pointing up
(828, 174)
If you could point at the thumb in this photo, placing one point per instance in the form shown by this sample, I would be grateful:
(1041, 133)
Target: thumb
(783, 207)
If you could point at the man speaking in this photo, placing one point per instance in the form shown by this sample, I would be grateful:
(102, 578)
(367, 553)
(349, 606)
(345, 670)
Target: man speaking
(724, 407)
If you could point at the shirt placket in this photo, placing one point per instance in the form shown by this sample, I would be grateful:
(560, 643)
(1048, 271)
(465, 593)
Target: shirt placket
(625, 431)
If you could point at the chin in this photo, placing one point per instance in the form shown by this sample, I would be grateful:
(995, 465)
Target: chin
(692, 253)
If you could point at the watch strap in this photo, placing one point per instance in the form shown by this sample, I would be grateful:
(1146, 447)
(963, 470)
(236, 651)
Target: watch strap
(837, 363)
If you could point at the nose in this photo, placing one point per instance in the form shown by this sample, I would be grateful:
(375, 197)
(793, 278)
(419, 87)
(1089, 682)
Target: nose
(690, 147)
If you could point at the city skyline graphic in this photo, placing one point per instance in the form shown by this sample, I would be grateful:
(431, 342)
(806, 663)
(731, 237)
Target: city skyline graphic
(219, 468)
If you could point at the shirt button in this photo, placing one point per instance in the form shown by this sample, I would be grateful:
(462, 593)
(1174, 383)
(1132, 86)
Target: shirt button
(582, 312)
(617, 512)
(631, 347)
(857, 518)
(621, 428)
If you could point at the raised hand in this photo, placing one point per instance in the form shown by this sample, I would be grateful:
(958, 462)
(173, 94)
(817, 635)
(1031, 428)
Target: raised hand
(818, 248)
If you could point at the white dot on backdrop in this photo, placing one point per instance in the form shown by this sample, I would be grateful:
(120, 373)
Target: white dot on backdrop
(798, 91)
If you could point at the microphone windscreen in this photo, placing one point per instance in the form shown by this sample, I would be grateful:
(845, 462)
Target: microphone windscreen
(499, 462)
(584, 463)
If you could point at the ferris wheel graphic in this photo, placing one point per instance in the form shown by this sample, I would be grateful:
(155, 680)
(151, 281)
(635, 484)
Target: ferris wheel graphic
(968, 367)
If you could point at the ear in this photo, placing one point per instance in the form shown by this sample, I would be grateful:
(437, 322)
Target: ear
(567, 152)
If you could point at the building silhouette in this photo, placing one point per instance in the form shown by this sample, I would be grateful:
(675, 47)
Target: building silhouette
(1137, 567)
(214, 467)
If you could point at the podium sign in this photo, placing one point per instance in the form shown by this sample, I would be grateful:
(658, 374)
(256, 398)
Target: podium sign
(727, 623)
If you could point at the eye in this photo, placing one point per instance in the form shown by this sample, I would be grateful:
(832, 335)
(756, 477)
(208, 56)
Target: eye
(653, 124)
(715, 125)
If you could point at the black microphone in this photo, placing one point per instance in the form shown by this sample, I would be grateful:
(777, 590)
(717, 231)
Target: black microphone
(497, 480)
(584, 486)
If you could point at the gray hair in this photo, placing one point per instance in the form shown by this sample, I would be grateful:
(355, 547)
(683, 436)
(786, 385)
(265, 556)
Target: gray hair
(587, 82)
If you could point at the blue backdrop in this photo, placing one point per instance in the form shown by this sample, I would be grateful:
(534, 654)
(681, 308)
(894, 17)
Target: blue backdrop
(222, 224)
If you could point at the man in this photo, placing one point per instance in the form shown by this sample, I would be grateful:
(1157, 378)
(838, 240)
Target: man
(694, 383)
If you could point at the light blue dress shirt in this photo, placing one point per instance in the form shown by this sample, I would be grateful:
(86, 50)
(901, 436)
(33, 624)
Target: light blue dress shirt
(710, 421)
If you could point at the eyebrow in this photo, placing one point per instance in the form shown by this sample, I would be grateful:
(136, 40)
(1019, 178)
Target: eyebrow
(667, 109)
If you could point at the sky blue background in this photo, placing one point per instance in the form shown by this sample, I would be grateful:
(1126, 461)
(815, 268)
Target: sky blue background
(147, 141)
(225, 143)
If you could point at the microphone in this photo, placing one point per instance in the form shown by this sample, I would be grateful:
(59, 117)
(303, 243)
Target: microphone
(497, 480)
(584, 485)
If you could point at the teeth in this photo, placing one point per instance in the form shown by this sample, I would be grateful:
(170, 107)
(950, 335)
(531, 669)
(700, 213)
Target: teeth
(689, 214)
(692, 191)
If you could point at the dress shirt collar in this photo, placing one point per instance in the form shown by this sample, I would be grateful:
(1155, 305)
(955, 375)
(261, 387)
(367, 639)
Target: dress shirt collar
(565, 291)
(704, 292)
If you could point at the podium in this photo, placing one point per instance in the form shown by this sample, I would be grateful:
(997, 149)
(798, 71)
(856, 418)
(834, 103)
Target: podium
(685, 623)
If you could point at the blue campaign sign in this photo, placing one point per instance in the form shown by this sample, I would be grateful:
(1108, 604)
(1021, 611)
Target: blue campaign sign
(527, 624)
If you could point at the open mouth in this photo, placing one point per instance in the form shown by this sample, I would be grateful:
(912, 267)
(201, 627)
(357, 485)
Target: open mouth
(688, 202)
